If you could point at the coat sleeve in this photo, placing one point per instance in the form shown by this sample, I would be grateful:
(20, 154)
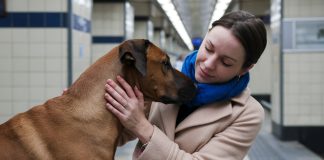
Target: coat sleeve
(230, 144)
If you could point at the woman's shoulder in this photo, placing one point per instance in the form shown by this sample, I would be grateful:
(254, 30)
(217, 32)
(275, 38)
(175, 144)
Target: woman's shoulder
(248, 105)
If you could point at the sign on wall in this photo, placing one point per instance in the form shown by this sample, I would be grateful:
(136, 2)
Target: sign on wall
(303, 35)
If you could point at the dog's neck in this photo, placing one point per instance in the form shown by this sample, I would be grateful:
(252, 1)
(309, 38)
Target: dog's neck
(89, 88)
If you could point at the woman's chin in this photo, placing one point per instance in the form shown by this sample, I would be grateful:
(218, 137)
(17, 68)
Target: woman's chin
(200, 79)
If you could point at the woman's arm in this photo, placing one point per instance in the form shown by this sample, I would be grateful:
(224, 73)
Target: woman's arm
(230, 144)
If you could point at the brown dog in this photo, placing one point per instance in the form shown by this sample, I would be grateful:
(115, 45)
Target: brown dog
(77, 125)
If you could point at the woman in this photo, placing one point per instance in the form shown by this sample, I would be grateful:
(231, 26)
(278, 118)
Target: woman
(222, 120)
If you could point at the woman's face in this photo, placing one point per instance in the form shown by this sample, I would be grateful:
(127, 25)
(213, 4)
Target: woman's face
(220, 57)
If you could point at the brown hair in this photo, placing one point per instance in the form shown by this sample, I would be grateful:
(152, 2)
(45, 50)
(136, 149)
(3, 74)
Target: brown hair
(249, 30)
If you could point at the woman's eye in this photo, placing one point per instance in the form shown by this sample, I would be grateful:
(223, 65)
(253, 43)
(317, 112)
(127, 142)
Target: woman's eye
(208, 50)
(226, 64)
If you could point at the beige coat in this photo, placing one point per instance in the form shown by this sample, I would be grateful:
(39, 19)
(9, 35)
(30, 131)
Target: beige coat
(219, 131)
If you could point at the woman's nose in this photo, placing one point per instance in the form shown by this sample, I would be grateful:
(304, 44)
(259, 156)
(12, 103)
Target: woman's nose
(210, 62)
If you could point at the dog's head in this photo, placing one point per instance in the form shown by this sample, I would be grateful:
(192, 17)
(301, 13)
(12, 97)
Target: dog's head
(148, 67)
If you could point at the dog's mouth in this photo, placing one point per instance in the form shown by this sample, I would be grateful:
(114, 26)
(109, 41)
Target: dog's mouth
(168, 100)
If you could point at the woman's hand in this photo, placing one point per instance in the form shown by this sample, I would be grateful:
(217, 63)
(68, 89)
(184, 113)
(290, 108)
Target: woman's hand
(128, 106)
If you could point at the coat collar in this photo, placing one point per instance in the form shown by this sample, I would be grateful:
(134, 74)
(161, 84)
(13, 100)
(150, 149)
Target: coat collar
(205, 114)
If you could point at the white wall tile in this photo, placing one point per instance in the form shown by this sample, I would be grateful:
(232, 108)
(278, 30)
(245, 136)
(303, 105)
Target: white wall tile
(20, 106)
(17, 5)
(20, 35)
(33, 103)
(20, 49)
(53, 6)
(36, 50)
(36, 5)
(52, 92)
(5, 108)
(20, 79)
(53, 35)
(6, 35)
(20, 94)
(5, 94)
(6, 49)
(37, 94)
(36, 35)
(5, 65)
(36, 65)
(53, 78)
(54, 50)
(64, 5)
(5, 79)
(54, 64)
(36, 79)
(20, 64)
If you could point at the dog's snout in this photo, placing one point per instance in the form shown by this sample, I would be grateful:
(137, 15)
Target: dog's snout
(187, 93)
(167, 100)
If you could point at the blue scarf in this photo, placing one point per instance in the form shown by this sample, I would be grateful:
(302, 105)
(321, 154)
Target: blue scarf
(209, 93)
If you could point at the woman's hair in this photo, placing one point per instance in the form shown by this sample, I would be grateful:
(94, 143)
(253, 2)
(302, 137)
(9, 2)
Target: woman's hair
(249, 30)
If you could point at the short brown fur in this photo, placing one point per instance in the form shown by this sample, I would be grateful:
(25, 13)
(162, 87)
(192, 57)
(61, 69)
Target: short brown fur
(76, 125)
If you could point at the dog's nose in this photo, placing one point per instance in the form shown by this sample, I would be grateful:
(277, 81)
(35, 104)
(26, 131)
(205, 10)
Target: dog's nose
(187, 93)
(167, 100)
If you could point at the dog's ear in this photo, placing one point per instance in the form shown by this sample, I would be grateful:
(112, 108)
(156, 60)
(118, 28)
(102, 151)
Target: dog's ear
(133, 52)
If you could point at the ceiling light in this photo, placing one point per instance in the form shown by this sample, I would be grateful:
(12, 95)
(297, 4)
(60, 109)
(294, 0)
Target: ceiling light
(173, 16)
(219, 10)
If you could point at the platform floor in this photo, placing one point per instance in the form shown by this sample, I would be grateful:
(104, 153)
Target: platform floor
(265, 147)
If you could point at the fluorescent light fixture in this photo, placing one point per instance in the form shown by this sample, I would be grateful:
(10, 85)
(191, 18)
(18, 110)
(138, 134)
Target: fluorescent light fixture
(174, 17)
(219, 10)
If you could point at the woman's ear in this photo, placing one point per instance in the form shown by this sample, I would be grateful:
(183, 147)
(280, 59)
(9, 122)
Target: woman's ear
(245, 70)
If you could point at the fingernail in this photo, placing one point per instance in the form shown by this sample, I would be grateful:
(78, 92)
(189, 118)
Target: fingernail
(119, 77)
(110, 81)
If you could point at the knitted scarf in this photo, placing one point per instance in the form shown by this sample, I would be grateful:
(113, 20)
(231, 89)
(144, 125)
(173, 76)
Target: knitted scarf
(209, 93)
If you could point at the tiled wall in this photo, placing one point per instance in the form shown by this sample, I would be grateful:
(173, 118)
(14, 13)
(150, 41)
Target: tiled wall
(108, 26)
(303, 8)
(303, 73)
(304, 89)
(33, 55)
(143, 29)
(81, 37)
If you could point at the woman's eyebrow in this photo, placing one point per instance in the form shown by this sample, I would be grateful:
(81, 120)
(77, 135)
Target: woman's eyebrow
(211, 43)
(231, 58)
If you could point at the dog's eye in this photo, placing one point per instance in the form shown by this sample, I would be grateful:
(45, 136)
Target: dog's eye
(166, 63)
(166, 66)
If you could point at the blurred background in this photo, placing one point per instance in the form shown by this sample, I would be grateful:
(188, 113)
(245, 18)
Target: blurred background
(46, 44)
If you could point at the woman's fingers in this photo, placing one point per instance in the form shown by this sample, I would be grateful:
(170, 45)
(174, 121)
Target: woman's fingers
(115, 111)
(116, 95)
(139, 94)
(126, 86)
(116, 105)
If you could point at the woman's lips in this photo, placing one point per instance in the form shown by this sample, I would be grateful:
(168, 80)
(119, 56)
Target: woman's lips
(203, 73)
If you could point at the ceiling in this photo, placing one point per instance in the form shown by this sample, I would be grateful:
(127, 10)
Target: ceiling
(195, 15)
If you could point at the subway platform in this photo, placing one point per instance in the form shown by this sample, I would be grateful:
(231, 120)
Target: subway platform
(265, 147)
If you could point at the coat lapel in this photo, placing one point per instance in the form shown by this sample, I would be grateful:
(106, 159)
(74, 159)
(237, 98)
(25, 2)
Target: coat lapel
(203, 115)
(206, 114)
(169, 116)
